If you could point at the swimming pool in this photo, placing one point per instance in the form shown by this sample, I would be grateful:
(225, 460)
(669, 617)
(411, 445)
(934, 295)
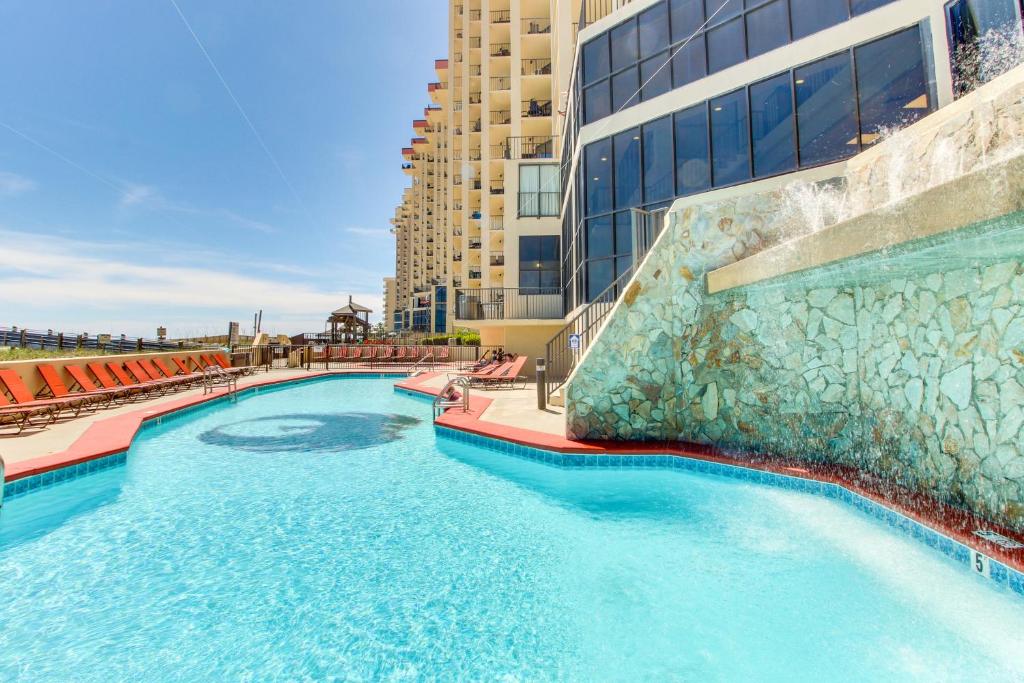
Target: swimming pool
(325, 530)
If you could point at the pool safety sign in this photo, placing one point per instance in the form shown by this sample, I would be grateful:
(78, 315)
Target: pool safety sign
(574, 342)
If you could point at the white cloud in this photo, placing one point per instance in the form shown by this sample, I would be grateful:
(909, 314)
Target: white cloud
(139, 194)
(57, 282)
(369, 232)
(12, 184)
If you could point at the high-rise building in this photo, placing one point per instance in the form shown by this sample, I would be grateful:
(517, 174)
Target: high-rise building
(572, 125)
(420, 225)
(390, 303)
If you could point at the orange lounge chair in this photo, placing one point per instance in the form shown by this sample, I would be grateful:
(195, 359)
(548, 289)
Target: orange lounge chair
(442, 353)
(155, 373)
(23, 398)
(107, 381)
(400, 355)
(21, 415)
(82, 381)
(226, 365)
(121, 376)
(168, 372)
(507, 377)
(385, 353)
(182, 365)
(355, 353)
(370, 352)
(485, 372)
(55, 388)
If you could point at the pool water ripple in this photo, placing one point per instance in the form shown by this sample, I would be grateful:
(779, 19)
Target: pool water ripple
(383, 552)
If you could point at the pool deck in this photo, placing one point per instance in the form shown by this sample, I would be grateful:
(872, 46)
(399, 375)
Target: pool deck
(502, 414)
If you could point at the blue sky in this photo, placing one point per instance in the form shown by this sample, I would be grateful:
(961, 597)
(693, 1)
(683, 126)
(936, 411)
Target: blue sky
(133, 193)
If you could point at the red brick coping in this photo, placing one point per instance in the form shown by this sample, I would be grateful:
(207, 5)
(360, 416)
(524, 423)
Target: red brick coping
(953, 522)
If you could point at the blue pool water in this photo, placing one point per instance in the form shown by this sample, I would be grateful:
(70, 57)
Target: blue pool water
(324, 531)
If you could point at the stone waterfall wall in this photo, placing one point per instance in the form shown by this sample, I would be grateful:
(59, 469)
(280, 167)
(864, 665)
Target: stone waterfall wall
(917, 377)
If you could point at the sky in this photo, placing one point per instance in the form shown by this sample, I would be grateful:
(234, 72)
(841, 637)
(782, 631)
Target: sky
(187, 169)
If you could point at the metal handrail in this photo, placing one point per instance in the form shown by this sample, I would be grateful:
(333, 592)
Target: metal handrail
(446, 399)
(214, 375)
(588, 322)
(416, 366)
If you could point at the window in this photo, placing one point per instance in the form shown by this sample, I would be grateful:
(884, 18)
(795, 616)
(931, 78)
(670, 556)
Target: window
(891, 83)
(600, 237)
(624, 45)
(687, 16)
(689, 63)
(599, 176)
(597, 101)
(653, 27)
(825, 112)
(627, 169)
(538, 264)
(984, 39)
(595, 59)
(725, 45)
(692, 167)
(655, 77)
(771, 123)
(624, 89)
(539, 190)
(730, 142)
(600, 276)
(862, 6)
(767, 28)
(811, 16)
(658, 162)
(719, 11)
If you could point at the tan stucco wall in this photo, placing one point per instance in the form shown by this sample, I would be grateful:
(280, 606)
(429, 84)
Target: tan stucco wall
(27, 368)
(528, 339)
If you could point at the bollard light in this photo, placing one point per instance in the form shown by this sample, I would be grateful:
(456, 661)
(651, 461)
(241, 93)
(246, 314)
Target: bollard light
(542, 398)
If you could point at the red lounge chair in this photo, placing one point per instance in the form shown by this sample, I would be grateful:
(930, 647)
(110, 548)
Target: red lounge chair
(370, 352)
(400, 355)
(23, 398)
(385, 353)
(126, 381)
(162, 366)
(154, 373)
(355, 353)
(486, 372)
(107, 381)
(21, 415)
(442, 353)
(55, 388)
(82, 381)
(225, 365)
(182, 365)
(507, 377)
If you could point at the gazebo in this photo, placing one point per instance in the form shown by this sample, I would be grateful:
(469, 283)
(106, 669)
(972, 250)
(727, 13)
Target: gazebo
(349, 323)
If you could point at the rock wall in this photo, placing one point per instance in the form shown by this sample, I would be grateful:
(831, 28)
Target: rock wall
(909, 365)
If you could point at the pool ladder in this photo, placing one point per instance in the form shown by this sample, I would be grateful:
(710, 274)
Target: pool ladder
(454, 395)
(214, 375)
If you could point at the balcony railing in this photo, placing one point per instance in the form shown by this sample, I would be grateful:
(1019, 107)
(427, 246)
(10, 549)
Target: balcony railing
(508, 303)
(474, 155)
(497, 258)
(536, 67)
(474, 274)
(474, 42)
(530, 147)
(499, 151)
(498, 187)
(501, 118)
(501, 49)
(501, 16)
(497, 222)
(534, 25)
(474, 243)
(536, 108)
(501, 82)
(475, 126)
(474, 15)
(474, 69)
(592, 10)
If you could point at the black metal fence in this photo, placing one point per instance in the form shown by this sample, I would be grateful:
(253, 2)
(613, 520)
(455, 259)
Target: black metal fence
(378, 357)
(50, 340)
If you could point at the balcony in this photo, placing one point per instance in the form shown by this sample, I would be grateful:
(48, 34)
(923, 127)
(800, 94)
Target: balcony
(508, 303)
(534, 26)
(501, 49)
(537, 67)
(501, 16)
(474, 274)
(530, 147)
(501, 83)
(474, 42)
(501, 118)
(497, 258)
(497, 187)
(497, 222)
(474, 15)
(536, 108)
(474, 69)
(475, 243)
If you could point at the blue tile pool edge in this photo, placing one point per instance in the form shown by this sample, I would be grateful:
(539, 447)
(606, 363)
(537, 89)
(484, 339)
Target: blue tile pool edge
(967, 556)
(44, 480)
